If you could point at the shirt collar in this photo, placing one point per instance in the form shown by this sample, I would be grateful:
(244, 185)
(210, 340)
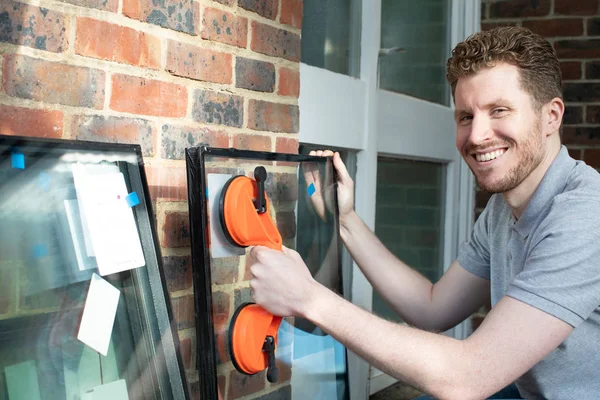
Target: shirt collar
(552, 184)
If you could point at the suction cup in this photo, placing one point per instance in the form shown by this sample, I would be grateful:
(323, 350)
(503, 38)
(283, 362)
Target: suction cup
(244, 212)
(253, 340)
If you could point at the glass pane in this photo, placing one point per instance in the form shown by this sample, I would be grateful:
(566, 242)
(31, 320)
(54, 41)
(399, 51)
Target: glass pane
(67, 217)
(421, 28)
(311, 363)
(409, 217)
(331, 35)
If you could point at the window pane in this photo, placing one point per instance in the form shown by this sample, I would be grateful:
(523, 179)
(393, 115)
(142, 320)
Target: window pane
(64, 220)
(331, 35)
(409, 216)
(421, 28)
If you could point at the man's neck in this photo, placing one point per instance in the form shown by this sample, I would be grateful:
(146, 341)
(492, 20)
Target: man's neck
(519, 197)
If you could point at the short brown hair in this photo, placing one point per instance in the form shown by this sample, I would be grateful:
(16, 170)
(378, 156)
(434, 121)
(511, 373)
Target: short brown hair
(532, 54)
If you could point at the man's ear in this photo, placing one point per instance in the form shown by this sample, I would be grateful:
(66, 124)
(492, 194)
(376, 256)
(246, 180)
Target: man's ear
(552, 116)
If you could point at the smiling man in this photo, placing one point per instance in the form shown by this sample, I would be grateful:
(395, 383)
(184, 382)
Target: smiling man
(534, 251)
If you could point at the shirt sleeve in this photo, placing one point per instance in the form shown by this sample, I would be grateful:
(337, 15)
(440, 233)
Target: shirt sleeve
(474, 255)
(561, 275)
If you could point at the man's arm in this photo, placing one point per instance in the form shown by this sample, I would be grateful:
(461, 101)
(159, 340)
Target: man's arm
(511, 340)
(420, 303)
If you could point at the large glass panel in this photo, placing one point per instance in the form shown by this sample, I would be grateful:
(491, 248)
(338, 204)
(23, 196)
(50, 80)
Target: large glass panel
(83, 311)
(421, 30)
(311, 363)
(409, 217)
(331, 35)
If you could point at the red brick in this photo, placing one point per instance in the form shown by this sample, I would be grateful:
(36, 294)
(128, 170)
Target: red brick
(179, 15)
(218, 108)
(486, 26)
(254, 75)
(573, 115)
(519, 9)
(592, 70)
(178, 272)
(50, 82)
(286, 224)
(579, 7)
(176, 230)
(286, 145)
(275, 42)
(136, 95)
(167, 182)
(106, 41)
(225, 27)
(243, 385)
(289, 82)
(291, 13)
(275, 117)
(104, 5)
(556, 27)
(581, 92)
(198, 63)
(570, 70)
(185, 348)
(252, 142)
(592, 114)
(224, 270)
(593, 26)
(284, 185)
(575, 153)
(592, 157)
(115, 130)
(20, 121)
(264, 8)
(183, 311)
(46, 29)
(582, 135)
(221, 303)
(175, 139)
(578, 48)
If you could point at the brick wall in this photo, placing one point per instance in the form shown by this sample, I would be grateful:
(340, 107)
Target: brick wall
(167, 75)
(573, 27)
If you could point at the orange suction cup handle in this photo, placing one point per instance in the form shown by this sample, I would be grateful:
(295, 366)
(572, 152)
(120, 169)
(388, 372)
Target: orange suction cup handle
(253, 340)
(245, 212)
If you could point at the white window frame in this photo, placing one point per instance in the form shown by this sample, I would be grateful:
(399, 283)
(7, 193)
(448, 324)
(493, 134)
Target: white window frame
(341, 111)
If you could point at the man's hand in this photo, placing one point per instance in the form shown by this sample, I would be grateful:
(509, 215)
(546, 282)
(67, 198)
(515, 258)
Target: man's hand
(345, 187)
(281, 283)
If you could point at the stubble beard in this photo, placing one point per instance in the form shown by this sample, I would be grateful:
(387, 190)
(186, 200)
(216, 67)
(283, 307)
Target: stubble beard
(531, 155)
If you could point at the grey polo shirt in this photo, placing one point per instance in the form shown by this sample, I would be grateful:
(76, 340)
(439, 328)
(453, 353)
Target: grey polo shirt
(549, 259)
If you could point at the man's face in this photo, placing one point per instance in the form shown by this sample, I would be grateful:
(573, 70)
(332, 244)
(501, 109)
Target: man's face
(498, 131)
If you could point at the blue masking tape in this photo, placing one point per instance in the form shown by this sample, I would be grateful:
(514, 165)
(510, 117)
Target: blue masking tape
(18, 160)
(311, 189)
(44, 181)
(40, 250)
(132, 199)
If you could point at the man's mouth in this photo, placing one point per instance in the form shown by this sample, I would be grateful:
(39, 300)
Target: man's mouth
(488, 156)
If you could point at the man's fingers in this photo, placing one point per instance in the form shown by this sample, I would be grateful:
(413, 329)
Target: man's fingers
(341, 169)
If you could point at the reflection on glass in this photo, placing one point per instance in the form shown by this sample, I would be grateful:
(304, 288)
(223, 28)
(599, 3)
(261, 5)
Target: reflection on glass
(48, 255)
(311, 363)
(422, 29)
(331, 35)
(409, 217)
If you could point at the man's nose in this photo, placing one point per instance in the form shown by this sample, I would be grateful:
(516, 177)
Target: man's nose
(481, 130)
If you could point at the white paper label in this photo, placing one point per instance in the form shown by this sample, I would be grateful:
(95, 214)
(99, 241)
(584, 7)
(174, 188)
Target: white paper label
(110, 221)
(99, 314)
(219, 245)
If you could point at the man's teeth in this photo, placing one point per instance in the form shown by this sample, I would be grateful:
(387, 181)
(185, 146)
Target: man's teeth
(489, 156)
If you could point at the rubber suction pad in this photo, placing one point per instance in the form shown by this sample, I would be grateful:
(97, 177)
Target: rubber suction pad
(242, 224)
(253, 340)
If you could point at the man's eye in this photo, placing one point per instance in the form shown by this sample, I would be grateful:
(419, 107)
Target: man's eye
(499, 110)
(466, 118)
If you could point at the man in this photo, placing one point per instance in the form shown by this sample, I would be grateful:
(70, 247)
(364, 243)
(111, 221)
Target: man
(534, 251)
